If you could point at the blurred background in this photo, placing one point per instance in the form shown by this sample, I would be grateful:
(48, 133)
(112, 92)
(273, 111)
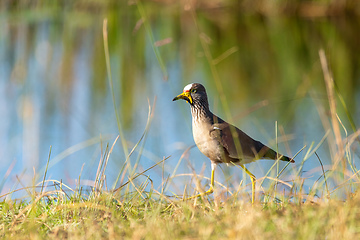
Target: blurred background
(259, 61)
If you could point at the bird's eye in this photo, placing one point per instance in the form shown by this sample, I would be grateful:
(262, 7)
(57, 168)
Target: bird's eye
(193, 90)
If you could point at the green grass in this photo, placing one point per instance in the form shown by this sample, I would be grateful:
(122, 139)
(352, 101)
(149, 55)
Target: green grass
(140, 214)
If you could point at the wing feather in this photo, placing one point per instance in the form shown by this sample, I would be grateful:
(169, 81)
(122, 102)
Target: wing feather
(239, 145)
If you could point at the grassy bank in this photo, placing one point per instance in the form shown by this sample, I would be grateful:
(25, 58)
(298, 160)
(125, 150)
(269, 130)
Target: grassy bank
(139, 215)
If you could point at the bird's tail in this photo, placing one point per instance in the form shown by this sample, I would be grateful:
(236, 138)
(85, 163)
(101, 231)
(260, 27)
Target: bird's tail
(287, 159)
(271, 154)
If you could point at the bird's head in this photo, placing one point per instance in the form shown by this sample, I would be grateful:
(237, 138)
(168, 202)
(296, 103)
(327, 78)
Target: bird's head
(193, 93)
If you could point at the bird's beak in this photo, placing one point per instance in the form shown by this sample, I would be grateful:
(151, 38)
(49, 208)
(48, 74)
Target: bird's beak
(185, 95)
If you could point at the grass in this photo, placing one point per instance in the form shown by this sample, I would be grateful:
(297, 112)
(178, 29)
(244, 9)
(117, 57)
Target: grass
(139, 214)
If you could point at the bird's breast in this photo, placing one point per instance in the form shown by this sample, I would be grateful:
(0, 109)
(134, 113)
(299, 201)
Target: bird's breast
(208, 146)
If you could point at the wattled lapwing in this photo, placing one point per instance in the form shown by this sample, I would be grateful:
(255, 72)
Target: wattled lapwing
(220, 141)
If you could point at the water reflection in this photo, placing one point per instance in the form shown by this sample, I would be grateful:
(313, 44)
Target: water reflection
(54, 89)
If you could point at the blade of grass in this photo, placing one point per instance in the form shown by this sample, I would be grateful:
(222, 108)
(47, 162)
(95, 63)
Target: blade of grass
(277, 155)
(123, 169)
(329, 82)
(137, 175)
(99, 170)
(73, 149)
(180, 160)
(348, 114)
(46, 168)
(326, 185)
(274, 164)
(107, 158)
(8, 171)
(78, 191)
(144, 135)
(108, 68)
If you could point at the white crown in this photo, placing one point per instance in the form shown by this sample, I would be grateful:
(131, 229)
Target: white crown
(188, 87)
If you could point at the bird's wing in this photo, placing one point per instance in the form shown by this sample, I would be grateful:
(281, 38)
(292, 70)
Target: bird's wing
(238, 144)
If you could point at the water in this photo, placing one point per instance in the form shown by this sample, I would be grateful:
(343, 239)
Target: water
(54, 89)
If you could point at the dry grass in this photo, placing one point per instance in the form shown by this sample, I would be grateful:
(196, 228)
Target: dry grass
(133, 217)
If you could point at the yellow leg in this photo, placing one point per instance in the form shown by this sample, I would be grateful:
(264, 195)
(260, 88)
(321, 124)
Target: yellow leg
(211, 189)
(253, 179)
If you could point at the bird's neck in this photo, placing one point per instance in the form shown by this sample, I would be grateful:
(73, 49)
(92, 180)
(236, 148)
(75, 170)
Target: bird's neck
(200, 110)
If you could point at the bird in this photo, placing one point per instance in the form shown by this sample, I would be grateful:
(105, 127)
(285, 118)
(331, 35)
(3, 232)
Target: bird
(220, 141)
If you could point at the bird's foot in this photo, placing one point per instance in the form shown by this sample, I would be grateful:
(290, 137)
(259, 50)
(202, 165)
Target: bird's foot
(210, 191)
